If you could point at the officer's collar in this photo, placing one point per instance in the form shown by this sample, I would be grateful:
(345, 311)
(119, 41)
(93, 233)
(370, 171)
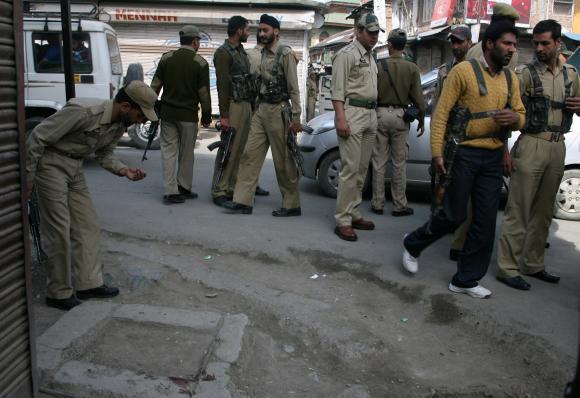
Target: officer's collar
(542, 67)
(186, 47)
(274, 47)
(107, 113)
(360, 47)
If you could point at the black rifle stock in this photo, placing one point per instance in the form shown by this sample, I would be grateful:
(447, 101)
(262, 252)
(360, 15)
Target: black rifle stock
(224, 146)
(291, 142)
(34, 222)
(152, 133)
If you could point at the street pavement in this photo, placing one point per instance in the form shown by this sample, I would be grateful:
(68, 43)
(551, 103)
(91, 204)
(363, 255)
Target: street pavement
(329, 317)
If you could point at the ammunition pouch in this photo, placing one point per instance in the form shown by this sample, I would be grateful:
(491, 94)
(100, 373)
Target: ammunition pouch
(411, 114)
(536, 114)
(243, 87)
(276, 88)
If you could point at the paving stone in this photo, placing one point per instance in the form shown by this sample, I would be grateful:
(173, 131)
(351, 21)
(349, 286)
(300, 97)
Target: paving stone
(230, 338)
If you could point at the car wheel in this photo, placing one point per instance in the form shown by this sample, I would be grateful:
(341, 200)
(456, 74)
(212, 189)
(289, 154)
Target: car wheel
(138, 134)
(31, 123)
(328, 174)
(567, 204)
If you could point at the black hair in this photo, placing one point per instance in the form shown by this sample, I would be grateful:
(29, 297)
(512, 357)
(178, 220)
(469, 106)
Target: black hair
(398, 43)
(236, 22)
(548, 25)
(122, 96)
(496, 30)
(185, 40)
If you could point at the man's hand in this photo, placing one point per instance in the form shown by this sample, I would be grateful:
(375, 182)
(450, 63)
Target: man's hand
(439, 165)
(225, 123)
(505, 117)
(421, 129)
(508, 165)
(205, 120)
(573, 104)
(297, 127)
(342, 128)
(133, 174)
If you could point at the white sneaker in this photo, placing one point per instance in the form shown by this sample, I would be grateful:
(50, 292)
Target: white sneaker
(410, 263)
(475, 292)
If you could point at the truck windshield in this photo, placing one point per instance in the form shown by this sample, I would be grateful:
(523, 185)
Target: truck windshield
(114, 55)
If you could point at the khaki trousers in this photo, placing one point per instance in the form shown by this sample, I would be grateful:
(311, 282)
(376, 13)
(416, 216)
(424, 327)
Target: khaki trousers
(177, 143)
(268, 130)
(70, 233)
(355, 155)
(240, 119)
(538, 171)
(310, 109)
(391, 141)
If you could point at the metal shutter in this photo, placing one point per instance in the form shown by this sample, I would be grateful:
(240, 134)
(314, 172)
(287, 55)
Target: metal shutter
(16, 342)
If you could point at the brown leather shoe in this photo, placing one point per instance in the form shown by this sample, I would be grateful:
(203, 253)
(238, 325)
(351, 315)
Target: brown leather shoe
(361, 223)
(346, 232)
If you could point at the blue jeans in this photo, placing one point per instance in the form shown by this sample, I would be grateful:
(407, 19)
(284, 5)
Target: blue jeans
(477, 174)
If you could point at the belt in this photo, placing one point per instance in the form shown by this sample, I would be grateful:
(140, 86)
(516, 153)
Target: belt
(552, 136)
(390, 106)
(362, 103)
(62, 153)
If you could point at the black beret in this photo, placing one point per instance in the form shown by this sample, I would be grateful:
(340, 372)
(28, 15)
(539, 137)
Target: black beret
(270, 20)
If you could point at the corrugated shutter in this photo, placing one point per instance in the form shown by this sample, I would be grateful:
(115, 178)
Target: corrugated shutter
(145, 43)
(16, 346)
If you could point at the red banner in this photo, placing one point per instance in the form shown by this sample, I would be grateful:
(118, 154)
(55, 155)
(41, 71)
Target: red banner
(486, 8)
(442, 13)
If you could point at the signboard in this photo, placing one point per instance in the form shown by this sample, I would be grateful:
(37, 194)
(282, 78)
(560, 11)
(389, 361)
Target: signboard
(442, 13)
(486, 7)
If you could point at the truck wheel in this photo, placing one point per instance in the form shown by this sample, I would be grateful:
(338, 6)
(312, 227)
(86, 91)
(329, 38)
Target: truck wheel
(567, 203)
(32, 122)
(134, 72)
(138, 134)
(328, 174)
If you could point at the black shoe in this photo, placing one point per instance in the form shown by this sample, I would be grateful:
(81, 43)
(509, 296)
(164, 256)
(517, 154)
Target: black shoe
(173, 199)
(546, 277)
(261, 191)
(517, 282)
(454, 254)
(407, 211)
(186, 193)
(284, 212)
(98, 292)
(238, 207)
(220, 200)
(63, 304)
(377, 211)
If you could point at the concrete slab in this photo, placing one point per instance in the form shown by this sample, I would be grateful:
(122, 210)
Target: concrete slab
(168, 316)
(230, 338)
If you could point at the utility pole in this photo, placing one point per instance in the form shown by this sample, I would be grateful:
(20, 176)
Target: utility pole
(69, 82)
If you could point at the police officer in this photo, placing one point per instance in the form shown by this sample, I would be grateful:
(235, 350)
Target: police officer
(354, 98)
(501, 12)
(551, 93)
(474, 91)
(184, 76)
(236, 91)
(279, 108)
(55, 152)
(312, 93)
(399, 85)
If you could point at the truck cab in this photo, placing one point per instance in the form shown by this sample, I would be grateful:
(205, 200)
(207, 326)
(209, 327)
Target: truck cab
(96, 58)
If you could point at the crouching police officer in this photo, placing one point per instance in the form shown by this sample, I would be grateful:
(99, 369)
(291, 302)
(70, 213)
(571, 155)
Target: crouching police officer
(551, 94)
(55, 152)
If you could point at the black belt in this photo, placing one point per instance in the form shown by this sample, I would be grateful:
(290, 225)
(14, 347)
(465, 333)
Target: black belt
(368, 104)
(68, 155)
(391, 106)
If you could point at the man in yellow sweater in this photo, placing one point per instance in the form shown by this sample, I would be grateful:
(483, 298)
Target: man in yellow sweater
(491, 93)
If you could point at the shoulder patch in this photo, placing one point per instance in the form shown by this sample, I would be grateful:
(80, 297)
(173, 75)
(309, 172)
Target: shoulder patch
(200, 60)
(166, 55)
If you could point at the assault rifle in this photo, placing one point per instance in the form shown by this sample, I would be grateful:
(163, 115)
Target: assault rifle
(224, 146)
(34, 222)
(291, 142)
(152, 133)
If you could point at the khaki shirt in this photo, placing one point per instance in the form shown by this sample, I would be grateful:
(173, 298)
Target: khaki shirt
(255, 57)
(552, 84)
(184, 76)
(82, 127)
(354, 74)
(476, 52)
(288, 62)
(406, 78)
(222, 61)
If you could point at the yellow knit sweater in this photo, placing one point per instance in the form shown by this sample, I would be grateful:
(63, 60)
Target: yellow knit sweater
(461, 88)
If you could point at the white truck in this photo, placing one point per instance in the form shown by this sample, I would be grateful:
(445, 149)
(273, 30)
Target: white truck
(97, 64)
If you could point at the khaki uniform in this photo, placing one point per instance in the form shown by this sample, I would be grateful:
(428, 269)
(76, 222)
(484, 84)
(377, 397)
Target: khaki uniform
(269, 130)
(55, 152)
(255, 57)
(354, 77)
(239, 112)
(538, 171)
(312, 92)
(393, 131)
(184, 76)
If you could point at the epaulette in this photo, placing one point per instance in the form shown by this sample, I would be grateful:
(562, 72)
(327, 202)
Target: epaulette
(201, 60)
(520, 68)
